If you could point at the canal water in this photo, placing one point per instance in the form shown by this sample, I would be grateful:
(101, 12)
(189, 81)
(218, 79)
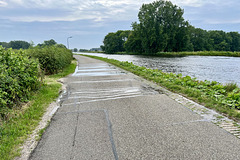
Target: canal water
(211, 68)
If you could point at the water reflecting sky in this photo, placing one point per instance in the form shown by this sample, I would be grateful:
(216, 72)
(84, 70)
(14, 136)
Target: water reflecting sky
(212, 68)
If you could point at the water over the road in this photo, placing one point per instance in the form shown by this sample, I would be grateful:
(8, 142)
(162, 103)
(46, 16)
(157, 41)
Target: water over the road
(212, 68)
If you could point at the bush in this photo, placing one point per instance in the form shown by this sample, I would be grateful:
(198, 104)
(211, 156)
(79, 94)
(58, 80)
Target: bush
(18, 76)
(52, 59)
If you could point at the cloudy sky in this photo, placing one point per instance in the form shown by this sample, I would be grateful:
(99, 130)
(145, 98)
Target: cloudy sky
(88, 21)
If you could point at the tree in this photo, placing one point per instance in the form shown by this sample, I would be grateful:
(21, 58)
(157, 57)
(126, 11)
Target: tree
(83, 50)
(235, 45)
(134, 42)
(221, 40)
(111, 43)
(50, 42)
(19, 45)
(199, 39)
(60, 46)
(114, 42)
(182, 38)
(4, 44)
(75, 50)
(160, 28)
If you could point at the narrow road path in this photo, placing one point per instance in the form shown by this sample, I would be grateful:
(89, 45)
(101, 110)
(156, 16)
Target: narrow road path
(110, 114)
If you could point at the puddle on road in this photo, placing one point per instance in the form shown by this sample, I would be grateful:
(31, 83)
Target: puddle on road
(98, 73)
(97, 70)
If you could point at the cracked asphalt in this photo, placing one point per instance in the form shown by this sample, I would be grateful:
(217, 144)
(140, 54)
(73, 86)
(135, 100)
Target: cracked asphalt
(108, 114)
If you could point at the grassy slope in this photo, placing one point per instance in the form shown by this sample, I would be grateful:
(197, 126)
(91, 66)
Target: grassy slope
(224, 99)
(15, 130)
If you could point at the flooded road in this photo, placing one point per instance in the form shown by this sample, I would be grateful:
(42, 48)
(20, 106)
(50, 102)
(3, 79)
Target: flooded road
(212, 68)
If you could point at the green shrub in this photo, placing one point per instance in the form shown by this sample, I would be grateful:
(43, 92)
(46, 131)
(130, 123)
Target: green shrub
(18, 76)
(52, 59)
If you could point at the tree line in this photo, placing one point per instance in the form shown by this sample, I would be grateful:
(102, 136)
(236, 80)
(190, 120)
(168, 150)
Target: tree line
(19, 44)
(16, 44)
(162, 28)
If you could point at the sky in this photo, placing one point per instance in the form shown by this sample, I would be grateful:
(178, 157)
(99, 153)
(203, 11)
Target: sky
(89, 21)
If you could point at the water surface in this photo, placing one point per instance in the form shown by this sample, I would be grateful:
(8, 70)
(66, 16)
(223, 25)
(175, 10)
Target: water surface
(212, 68)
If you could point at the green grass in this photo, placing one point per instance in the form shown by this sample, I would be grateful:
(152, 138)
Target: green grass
(14, 132)
(66, 71)
(224, 99)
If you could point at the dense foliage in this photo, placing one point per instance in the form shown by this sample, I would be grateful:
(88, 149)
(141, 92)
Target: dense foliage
(52, 59)
(18, 76)
(50, 42)
(20, 71)
(162, 28)
(114, 42)
(223, 98)
(16, 44)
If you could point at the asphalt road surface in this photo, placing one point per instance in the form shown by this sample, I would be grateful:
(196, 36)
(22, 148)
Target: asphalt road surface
(110, 114)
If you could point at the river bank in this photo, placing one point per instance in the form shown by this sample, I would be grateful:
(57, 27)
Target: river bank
(212, 68)
(182, 54)
(223, 98)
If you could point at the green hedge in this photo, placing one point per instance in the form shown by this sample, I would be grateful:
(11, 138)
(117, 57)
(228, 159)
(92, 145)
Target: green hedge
(18, 76)
(52, 58)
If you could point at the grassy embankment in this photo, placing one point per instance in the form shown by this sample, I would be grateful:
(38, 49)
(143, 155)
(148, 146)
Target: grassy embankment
(223, 98)
(182, 54)
(22, 120)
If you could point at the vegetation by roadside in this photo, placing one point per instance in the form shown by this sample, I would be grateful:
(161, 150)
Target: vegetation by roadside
(52, 59)
(14, 131)
(18, 78)
(25, 92)
(22, 72)
(223, 98)
(23, 121)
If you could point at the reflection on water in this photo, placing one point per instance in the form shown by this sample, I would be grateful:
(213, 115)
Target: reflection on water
(213, 68)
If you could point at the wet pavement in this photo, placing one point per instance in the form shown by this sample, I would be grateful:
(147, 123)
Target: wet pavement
(108, 113)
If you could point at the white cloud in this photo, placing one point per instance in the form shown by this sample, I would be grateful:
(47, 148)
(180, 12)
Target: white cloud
(3, 3)
(72, 9)
(202, 3)
(192, 3)
(97, 10)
